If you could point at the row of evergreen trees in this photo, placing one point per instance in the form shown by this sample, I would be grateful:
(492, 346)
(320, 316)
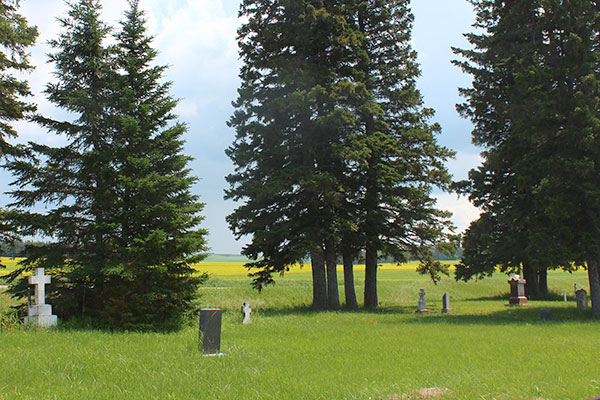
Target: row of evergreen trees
(334, 151)
(535, 107)
(114, 203)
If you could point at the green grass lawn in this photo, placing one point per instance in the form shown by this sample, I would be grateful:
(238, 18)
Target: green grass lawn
(481, 350)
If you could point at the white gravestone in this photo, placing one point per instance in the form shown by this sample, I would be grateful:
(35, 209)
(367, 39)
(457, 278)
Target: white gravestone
(40, 313)
(421, 307)
(246, 310)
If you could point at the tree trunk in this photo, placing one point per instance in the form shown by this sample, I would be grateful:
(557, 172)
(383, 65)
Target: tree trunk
(371, 277)
(349, 291)
(333, 296)
(543, 281)
(594, 278)
(319, 280)
(531, 276)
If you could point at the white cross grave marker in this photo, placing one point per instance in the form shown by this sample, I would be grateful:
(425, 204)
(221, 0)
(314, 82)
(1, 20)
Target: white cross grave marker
(40, 280)
(40, 313)
(246, 310)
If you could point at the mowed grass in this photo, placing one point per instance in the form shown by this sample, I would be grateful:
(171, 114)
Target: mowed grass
(481, 350)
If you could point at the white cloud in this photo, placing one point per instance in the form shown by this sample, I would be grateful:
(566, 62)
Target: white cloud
(187, 108)
(463, 212)
(460, 166)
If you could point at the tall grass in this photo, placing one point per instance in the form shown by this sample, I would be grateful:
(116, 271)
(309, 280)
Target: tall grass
(481, 350)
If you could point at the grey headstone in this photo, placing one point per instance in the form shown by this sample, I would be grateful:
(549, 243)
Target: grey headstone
(564, 295)
(446, 303)
(581, 297)
(246, 310)
(546, 314)
(210, 330)
(421, 306)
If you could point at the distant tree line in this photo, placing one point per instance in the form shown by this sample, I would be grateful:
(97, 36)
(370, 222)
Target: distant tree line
(17, 247)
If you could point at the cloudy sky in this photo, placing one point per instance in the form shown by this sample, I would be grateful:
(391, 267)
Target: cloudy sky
(196, 38)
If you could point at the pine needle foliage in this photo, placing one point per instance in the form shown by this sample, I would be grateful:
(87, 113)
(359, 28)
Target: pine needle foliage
(119, 212)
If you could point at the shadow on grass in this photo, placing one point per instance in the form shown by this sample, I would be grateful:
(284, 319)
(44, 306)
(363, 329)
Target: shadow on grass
(550, 296)
(517, 315)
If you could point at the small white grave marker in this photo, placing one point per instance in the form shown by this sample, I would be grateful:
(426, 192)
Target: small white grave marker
(40, 313)
(246, 310)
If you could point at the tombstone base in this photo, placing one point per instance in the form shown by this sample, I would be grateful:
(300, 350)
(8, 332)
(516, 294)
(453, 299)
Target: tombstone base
(445, 310)
(214, 355)
(518, 301)
(44, 321)
(422, 311)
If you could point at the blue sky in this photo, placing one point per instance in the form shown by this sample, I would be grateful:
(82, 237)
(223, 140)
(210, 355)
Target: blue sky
(196, 38)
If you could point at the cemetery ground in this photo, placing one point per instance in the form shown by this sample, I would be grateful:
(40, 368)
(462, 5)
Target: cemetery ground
(482, 349)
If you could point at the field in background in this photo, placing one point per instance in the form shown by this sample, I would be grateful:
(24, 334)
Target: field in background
(481, 350)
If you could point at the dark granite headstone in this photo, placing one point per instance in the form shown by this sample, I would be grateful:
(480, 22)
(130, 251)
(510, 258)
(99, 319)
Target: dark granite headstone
(546, 314)
(210, 330)
(581, 297)
(446, 303)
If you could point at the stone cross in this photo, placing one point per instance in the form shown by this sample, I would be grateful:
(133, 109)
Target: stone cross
(40, 280)
(246, 310)
(40, 313)
(421, 307)
(446, 303)
(581, 297)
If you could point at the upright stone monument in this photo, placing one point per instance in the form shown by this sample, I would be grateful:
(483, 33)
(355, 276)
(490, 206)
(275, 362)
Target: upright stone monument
(246, 310)
(40, 313)
(210, 330)
(545, 314)
(581, 297)
(421, 306)
(517, 291)
(445, 303)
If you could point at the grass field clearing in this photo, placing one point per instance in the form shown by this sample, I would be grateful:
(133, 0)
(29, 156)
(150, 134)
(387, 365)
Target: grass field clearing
(481, 350)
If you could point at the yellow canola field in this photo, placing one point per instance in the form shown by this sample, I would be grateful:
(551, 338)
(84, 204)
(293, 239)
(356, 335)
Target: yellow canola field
(237, 268)
(226, 268)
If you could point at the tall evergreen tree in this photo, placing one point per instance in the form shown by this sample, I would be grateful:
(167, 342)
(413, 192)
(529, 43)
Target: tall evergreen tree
(123, 222)
(288, 144)
(15, 37)
(534, 89)
(401, 160)
(158, 215)
(334, 153)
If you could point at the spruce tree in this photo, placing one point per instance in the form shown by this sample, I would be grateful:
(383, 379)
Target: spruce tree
(401, 161)
(16, 36)
(289, 126)
(158, 215)
(123, 220)
(75, 181)
(533, 102)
